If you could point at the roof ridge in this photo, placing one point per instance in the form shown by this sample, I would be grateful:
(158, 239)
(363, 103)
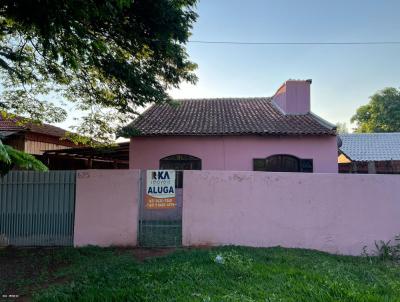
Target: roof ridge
(269, 98)
(26, 120)
(323, 121)
(370, 133)
(32, 125)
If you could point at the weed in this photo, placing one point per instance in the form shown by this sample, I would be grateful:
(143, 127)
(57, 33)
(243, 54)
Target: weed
(384, 250)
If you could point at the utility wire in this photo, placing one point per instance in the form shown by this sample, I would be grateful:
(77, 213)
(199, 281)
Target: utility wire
(296, 43)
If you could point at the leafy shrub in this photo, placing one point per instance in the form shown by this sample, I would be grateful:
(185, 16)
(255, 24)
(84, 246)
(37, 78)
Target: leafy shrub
(385, 250)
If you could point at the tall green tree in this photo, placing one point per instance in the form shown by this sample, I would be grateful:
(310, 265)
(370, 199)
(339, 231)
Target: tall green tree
(104, 58)
(381, 114)
(341, 128)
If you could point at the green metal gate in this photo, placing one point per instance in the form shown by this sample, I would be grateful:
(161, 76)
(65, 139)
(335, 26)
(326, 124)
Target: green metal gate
(160, 228)
(37, 208)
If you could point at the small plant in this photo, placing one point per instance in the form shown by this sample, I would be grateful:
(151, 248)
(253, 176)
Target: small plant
(386, 250)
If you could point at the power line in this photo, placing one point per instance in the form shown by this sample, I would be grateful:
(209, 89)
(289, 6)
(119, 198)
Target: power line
(296, 43)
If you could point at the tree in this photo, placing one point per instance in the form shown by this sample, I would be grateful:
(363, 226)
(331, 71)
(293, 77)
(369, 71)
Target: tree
(9, 157)
(381, 114)
(341, 128)
(104, 58)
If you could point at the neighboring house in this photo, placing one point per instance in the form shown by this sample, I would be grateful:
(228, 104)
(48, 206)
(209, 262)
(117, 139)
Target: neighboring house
(370, 153)
(33, 138)
(113, 157)
(276, 133)
(48, 143)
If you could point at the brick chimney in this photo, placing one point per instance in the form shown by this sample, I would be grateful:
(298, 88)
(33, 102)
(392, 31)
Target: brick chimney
(293, 97)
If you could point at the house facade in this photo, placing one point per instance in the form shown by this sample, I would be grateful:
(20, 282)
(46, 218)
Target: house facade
(243, 134)
(49, 144)
(80, 158)
(33, 138)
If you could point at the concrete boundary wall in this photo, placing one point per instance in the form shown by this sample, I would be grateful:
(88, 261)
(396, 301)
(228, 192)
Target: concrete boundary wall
(329, 212)
(106, 209)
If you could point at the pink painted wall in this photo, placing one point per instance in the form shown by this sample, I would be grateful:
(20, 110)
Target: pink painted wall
(106, 208)
(233, 152)
(336, 213)
(293, 97)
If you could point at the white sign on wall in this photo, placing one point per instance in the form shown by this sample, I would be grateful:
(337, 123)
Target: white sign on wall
(160, 189)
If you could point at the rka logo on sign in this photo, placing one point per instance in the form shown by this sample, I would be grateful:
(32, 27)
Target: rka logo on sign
(160, 175)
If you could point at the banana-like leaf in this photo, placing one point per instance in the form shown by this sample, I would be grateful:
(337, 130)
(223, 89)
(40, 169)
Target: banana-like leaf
(10, 157)
(25, 160)
(4, 157)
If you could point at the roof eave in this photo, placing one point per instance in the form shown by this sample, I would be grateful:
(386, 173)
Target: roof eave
(235, 134)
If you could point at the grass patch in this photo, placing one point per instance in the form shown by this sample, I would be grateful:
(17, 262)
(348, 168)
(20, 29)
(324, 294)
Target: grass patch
(245, 274)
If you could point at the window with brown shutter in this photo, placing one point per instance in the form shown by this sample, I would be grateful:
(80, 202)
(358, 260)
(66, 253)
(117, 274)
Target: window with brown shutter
(180, 162)
(283, 163)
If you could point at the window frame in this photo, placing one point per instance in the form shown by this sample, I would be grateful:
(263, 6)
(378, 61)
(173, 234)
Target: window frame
(169, 160)
(306, 165)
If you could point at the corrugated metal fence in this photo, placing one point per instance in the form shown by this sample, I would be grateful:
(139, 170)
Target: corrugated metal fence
(37, 208)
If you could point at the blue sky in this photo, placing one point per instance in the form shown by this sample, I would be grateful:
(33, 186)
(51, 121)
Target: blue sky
(344, 76)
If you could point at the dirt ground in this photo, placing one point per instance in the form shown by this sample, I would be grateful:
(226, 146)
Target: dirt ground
(37, 265)
(26, 266)
(142, 254)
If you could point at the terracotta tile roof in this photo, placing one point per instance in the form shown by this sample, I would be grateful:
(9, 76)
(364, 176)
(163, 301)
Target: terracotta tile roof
(9, 125)
(227, 116)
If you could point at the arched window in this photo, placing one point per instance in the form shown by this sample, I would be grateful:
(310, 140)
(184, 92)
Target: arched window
(180, 162)
(283, 163)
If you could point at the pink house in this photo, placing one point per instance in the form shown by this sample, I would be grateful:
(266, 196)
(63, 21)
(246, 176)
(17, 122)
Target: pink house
(277, 133)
